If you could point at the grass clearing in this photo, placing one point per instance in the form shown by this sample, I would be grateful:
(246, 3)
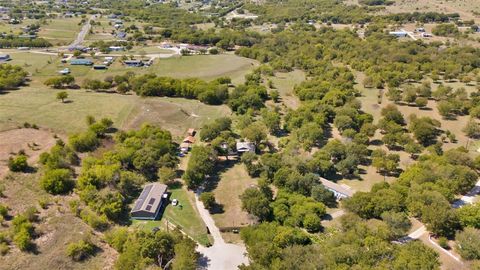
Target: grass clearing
(232, 184)
(60, 31)
(284, 82)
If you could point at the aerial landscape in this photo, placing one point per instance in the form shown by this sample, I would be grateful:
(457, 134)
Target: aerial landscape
(251, 135)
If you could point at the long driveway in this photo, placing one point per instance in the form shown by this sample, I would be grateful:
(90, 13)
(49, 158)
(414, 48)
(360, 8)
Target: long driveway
(221, 255)
(83, 33)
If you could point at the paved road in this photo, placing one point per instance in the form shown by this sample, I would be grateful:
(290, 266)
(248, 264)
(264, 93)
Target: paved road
(221, 255)
(83, 33)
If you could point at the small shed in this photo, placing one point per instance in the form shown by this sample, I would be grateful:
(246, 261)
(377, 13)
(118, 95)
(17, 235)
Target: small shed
(150, 201)
(189, 139)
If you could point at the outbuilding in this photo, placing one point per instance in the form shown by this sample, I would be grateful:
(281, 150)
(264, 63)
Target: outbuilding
(133, 63)
(339, 191)
(100, 67)
(81, 62)
(150, 201)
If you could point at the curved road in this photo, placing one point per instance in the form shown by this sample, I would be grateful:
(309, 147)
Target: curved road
(221, 255)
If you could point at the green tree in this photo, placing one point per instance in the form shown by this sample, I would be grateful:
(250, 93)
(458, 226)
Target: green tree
(208, 200)
(18, 163)
(256, 203)
(62, 96)
(200, 165)
(81, 250)
(468, 243)
(57, 181)
(255, 133)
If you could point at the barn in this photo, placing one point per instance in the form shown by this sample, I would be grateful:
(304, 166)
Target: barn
(150, 201)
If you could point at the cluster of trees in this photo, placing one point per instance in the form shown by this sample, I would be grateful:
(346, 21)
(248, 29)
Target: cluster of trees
(15, 42)
(89, 140)
(384, 60)
(446, 30)
(214, 92)
(11, 77)
(60, 81)
(358, 243)
(424, 190)
(141, 249)
(57, 168)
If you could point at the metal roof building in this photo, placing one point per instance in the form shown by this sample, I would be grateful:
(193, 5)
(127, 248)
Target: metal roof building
(149, 202)
(339, 191)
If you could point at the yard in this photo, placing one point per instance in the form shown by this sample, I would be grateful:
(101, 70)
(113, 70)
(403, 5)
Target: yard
(60, 31)
(232, 183)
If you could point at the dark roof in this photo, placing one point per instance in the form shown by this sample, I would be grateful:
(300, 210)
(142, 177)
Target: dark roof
(150, 199)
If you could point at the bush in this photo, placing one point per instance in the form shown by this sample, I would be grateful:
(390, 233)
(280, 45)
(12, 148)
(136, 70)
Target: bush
(80, 250)
(443, 242)
(57, 181)
(84, 142)
(23, 240)
(99, 223)
(208, 199)
(4, 248)
(18, 163)
(3, 210)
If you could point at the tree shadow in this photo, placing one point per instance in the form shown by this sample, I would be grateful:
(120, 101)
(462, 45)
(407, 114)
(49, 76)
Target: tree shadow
(203, 262)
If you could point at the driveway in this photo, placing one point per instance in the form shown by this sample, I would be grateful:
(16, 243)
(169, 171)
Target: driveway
(221, 255)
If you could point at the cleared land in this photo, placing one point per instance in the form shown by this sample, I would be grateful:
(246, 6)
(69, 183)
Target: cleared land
(56, 227)
(60, 31)
(284, 82)
(232, 184)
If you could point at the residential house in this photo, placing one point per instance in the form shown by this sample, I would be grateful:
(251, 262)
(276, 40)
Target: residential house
(133, 63)
(150, 201)
(243, 147)
(398, 34)
(81, 62)
(339, 191)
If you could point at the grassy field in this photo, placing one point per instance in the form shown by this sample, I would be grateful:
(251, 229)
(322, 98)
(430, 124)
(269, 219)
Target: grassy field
(60, 31)
(284, 82)
(37, 105)
(227, 194)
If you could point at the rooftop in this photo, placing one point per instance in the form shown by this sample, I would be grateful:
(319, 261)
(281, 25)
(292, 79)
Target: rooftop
(150, 198)
(339, 188)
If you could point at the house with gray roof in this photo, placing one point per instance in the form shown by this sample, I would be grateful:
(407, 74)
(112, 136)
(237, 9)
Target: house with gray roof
(150, 201)
(340, 191)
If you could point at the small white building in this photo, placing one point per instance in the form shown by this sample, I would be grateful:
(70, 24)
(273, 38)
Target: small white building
(339, 191)
(243, 147)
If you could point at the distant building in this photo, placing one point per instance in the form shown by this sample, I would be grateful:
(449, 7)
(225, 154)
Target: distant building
(426, 35)
(116, 48)
(100, 67)
(398, 33)
(339, 191)
(81, 62)
(150, 201)
(243, 147)
(420, 29)
(64, 71)
(133, 63)
(4, 57)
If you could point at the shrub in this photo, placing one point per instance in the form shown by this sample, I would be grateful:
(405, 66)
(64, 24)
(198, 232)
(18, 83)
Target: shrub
(3, 210)
(99, 223)
(23, 240)
(443, 242)
(18, 163)
(4, 248)
(57, 181)
(84, 142)
(80, 250)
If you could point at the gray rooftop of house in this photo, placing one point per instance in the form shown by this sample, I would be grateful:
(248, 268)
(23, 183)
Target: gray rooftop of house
(338, 188)
(150, 198)
(245, 146)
